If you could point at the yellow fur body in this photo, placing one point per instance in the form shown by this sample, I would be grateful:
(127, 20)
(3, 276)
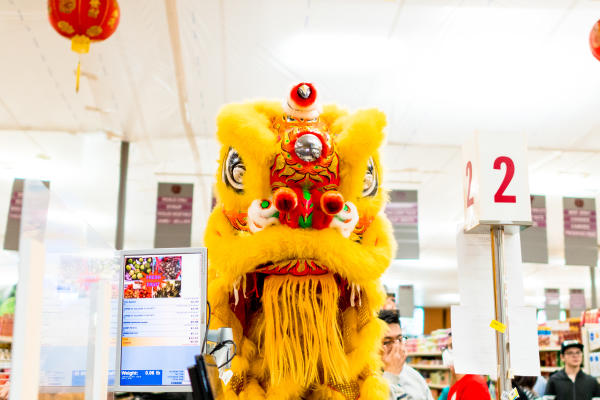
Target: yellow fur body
(234, 253)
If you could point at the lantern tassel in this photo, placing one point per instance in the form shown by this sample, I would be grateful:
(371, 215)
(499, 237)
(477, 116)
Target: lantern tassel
(80, 44)
(77, 76)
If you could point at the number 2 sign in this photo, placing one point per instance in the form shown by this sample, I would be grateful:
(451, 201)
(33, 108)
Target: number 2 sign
(495, 181)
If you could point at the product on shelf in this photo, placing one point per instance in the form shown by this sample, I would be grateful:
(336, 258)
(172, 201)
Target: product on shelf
(590, 338)
(439, 378)
(550, 336)
(590, 317)
(550, 359)
(553, 333)
(4, 378)
(7, 324)
(433, 343)
(427, 361)
(425, 355)
(7, 313)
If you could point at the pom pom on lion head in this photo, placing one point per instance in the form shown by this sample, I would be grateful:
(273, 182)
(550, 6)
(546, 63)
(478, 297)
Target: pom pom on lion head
(297, 243)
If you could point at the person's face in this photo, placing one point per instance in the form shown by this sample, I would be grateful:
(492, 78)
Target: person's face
(390, 304)
(393, 337)
(572, 357)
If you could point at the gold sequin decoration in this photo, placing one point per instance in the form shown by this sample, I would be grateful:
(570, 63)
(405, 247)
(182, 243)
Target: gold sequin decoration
(94, 9)
(363, 314)
(66, 6)
(65, 27)
(350, 390)
(113, 19)
(349, 328)
(93, 31)
(236, 383)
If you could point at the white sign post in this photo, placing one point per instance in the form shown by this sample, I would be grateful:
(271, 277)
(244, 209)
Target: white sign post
(496, 195)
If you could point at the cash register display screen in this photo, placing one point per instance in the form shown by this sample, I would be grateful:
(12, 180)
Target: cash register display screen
(160, 332)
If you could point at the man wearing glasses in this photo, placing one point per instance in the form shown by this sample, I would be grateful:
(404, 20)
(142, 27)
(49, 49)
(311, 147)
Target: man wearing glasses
(571, 383)
(405, 382)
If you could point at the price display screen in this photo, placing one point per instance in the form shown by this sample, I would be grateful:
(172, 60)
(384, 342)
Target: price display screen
(162, 317)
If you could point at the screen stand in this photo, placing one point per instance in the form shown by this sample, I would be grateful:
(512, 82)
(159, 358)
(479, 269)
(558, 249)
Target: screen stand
(96, 382)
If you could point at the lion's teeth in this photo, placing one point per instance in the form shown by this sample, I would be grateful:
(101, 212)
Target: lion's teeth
(355, 291)
(236, 288)
(236, 296)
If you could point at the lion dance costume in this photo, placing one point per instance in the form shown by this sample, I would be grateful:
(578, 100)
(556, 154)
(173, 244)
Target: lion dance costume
(296, 245)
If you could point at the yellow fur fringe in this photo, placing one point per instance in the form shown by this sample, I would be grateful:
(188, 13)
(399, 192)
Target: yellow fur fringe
(358, 263)
(253, 391)
(325, 393)
(374, 388)
(301, 337)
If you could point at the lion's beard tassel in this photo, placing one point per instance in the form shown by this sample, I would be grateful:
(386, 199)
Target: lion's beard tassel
(300, 333)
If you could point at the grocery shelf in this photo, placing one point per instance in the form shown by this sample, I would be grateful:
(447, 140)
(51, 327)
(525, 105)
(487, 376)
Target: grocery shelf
(557, 348)
(549, 369)
(5, 364)
(429, 367)
(5, 339)
(425, 354)
(436, 385)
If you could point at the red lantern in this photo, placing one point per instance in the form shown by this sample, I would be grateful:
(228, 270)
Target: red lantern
(84, 21)
(595, 40)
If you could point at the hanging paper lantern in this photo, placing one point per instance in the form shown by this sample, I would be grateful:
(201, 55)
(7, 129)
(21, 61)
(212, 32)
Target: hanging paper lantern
(595, 40)
(84, 21)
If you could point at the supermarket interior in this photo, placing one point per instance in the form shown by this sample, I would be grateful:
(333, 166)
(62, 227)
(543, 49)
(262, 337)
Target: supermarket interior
(286, 162)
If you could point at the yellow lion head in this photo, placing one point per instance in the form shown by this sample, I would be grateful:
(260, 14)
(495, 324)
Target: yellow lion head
(296, 244)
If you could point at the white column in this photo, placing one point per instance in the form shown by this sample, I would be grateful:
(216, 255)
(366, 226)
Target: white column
(25, 372)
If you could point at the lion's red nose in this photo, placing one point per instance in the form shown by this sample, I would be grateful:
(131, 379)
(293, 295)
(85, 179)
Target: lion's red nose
(332, 202)
(285, 200)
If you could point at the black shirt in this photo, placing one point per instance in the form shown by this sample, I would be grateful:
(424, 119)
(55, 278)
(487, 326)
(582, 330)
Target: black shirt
(584, 388)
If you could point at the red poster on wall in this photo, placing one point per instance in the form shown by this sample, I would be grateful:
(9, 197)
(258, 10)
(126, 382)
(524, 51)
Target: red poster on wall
(580, 231)
(403, 213)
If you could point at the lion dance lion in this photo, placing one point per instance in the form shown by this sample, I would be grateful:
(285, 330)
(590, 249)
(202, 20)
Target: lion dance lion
(297, 243)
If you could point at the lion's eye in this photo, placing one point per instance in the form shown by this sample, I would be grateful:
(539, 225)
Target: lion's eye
(370, 183)
(233, 170)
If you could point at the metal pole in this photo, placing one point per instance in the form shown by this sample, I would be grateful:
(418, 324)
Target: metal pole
(502, 347)
(122, 194)
(593, 281)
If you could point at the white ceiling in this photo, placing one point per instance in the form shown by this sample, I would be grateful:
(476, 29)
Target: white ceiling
(439, 69)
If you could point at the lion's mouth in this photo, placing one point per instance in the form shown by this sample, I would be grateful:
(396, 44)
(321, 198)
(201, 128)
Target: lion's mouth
(292, 267)
(247, 292)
